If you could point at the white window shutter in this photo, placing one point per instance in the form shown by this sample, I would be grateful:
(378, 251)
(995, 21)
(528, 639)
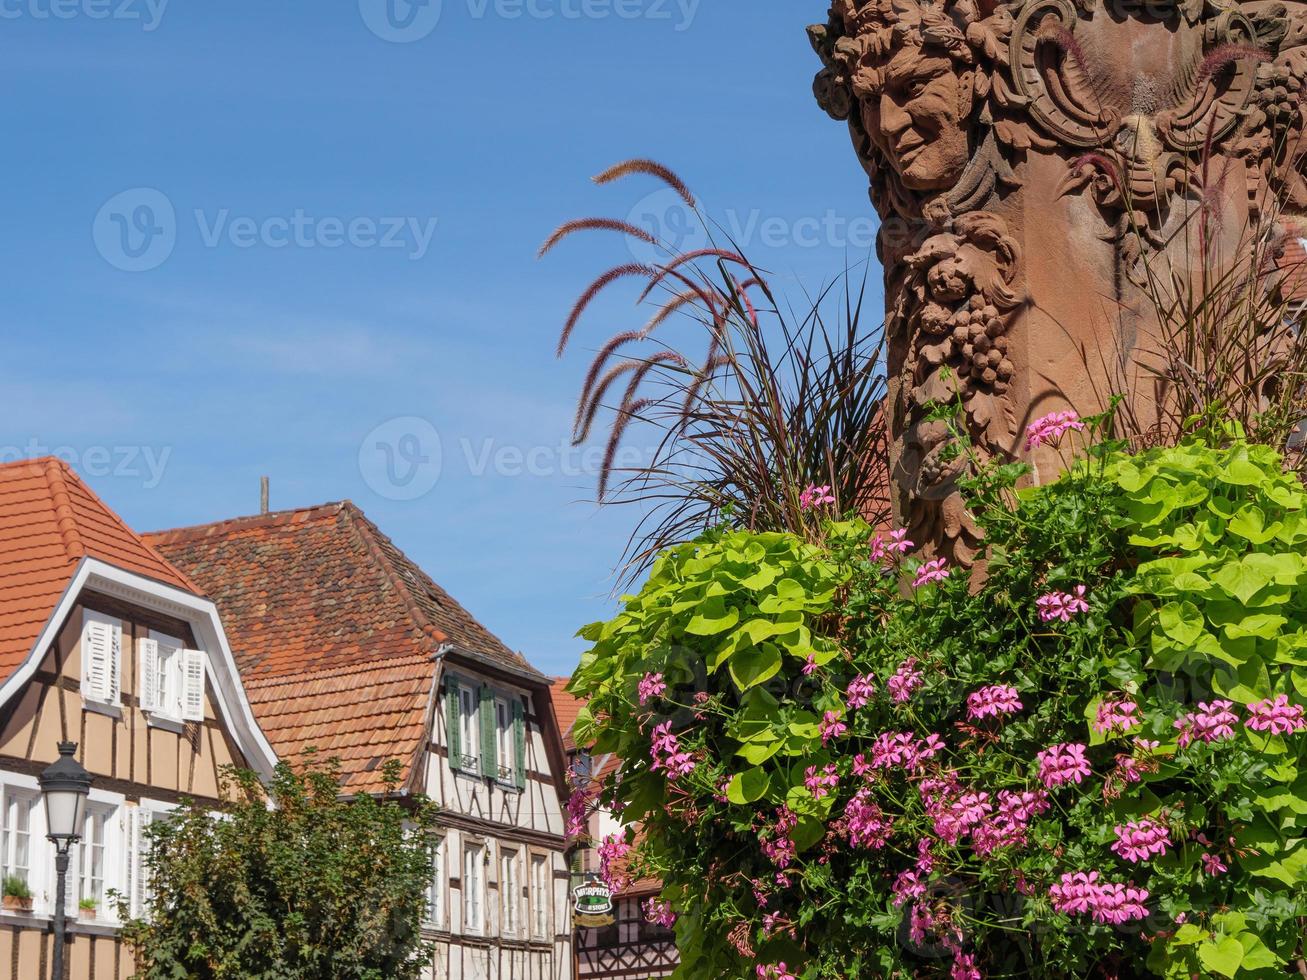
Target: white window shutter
(193, 685)
(100, 657)
(147, 654)
(128, 815)
(115, 666)
(138, 894)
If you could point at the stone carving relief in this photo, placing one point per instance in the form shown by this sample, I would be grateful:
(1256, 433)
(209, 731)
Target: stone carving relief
(1025, 158)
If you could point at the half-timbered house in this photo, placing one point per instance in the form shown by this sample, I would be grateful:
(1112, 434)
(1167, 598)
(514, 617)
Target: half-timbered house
(348, 648)
(630, 947)
(106, 644)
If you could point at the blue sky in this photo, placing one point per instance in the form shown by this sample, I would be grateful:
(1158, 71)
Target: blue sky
(298, 239)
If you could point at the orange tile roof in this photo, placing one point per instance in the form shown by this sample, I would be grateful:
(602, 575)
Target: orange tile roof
(1293, 263)
(566, 708)
(49, 521)
(334, 630)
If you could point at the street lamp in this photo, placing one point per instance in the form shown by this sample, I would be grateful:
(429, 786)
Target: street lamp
(65, 785)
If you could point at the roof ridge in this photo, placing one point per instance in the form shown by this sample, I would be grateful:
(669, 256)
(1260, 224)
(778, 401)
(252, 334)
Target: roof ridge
(66, 521)
(249, 520)
(368, 533)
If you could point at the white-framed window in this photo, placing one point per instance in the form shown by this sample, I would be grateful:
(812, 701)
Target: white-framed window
(102, 658)
(136, 823)
(474, 888)
(504, 738)
(510, 891)
(97, 863)
(20, 837)
(93, 853)
(469, 731)
(171, 678)
(540, 896)
(439, 882)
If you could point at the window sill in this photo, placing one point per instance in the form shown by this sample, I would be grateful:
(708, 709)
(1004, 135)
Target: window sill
(165, 722)
(114, 711)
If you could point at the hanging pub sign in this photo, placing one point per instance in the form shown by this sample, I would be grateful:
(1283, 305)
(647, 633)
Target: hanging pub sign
(592, 905)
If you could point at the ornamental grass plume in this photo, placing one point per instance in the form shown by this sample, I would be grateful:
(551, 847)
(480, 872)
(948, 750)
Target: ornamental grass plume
(779, 413)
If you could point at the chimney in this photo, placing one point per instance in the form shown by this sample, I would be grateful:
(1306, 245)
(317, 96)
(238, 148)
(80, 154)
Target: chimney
(264, 486)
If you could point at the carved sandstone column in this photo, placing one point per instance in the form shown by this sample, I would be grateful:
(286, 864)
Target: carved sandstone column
(1026, 159)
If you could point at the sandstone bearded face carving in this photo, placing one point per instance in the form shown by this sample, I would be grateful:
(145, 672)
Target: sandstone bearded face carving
(917, 102)
(1026, 157)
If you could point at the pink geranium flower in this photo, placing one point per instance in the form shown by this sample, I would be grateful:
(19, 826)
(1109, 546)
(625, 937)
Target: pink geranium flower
(931, 571)
(964, 967)
(816, 496)
(860, 691)
(1051, 428)
(1062, 764)
(821, 782)
(1107, 902)
(906, 680)
(1116, 714)
(1212, 722)
(898, 544)
(1278, 717)
(1062, 605)
(1000, 699)
(1140, 840)
(651, 686)
(831, 727)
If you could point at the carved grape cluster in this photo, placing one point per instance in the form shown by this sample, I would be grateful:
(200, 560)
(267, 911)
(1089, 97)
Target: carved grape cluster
(980, 340)
(1281, 95)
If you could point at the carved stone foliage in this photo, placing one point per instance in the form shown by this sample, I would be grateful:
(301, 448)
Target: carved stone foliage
(951, 326)
(1121, 117)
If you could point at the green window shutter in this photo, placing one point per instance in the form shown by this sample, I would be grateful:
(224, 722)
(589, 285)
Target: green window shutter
(519, 744)
(489, 760)
(452, 742)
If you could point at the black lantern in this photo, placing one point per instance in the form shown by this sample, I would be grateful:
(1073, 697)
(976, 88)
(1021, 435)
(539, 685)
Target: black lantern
(65, 785)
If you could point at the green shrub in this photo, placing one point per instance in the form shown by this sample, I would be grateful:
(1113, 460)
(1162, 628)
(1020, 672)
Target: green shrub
(836, 780)
(289, 882)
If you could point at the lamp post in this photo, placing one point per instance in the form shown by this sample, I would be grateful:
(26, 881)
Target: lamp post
(65, 785)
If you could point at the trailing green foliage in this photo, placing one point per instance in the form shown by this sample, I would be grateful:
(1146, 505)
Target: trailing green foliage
(1070, 770)
(311, 887)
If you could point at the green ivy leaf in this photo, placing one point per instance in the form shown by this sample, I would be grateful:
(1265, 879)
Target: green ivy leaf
(748, 786)
(755, 665)
(713, 618)
(1223, 957)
